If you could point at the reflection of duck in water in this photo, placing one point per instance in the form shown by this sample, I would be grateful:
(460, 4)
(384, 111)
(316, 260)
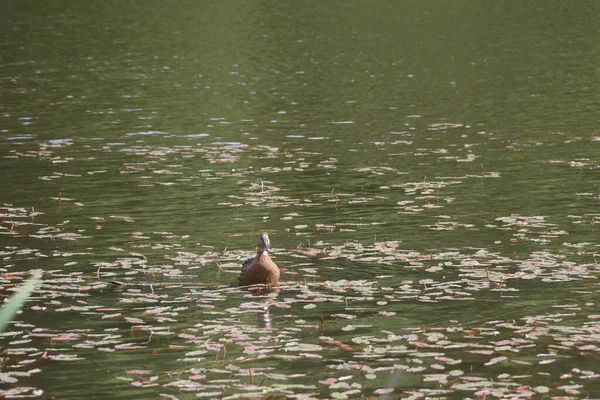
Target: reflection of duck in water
(260, 269)
(263, 314)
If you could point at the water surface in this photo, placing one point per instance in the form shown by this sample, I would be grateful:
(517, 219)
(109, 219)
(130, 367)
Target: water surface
(428, 175)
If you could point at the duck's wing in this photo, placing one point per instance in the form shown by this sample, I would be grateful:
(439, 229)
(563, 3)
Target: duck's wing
(245, 269)
(246, 265)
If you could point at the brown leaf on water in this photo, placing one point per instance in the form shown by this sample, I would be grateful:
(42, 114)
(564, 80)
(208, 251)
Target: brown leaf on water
(337, 343)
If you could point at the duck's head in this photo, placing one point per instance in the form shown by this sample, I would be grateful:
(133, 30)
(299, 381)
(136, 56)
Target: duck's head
(264, 244)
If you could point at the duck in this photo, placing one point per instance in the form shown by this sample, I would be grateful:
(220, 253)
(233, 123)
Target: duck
(260, 270)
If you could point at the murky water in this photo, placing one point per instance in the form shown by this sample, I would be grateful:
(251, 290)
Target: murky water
(428, 175)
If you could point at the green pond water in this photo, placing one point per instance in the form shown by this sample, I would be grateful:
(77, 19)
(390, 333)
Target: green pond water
(428, 173)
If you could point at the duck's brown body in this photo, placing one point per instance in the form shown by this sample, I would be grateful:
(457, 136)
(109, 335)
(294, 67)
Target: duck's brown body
(260, 269)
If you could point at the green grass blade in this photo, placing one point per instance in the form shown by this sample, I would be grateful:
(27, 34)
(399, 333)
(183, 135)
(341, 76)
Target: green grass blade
(15, 302)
